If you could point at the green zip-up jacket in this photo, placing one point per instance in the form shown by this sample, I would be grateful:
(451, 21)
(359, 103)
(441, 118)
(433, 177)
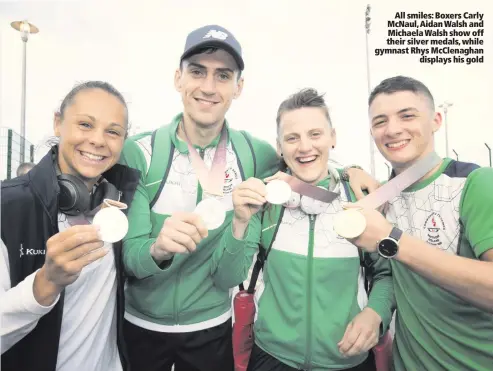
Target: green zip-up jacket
(313, 285)
(180, 292)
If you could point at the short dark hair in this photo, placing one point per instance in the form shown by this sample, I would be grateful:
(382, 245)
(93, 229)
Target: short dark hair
(24, 168)
(304, 98)
(88, 85)
(206, 50)
(401, 83)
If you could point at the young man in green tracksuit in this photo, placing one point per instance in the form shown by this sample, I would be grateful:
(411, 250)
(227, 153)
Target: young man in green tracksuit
(441, 245)
(175, 313)
(314, 312)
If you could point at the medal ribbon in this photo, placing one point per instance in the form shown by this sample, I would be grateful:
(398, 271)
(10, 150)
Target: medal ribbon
(83, 218)
(399, 183)
(212, 180)
(382, 195)
(309, 190)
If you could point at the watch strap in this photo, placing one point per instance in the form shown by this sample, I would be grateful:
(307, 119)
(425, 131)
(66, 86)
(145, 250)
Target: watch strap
(395, 234)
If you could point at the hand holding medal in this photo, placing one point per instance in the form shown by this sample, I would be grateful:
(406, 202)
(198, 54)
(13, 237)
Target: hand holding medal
(180, 234)
(281, 189)
(284, 189)
(210, 209)
(183, 231)
(248, 198)
(372, 223)
(352, 222)
(67, 253)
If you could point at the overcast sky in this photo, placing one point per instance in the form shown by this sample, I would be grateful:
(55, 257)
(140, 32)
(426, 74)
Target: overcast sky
(288, 45)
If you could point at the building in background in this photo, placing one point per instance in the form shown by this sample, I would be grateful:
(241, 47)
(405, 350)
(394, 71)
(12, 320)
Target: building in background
(10, 152)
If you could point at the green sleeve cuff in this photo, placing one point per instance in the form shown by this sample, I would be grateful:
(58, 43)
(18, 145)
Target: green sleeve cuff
(483, 246)
(147, 262)
(382, 301)
(232, 244)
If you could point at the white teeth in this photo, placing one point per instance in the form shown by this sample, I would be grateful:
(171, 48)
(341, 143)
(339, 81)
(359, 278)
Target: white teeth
(398, 144)
(206, 102)
(307, 159)
(92, 157)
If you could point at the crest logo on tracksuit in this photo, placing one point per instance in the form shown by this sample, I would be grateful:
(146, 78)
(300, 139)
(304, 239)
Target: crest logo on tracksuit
(433, 226)
(230, 179)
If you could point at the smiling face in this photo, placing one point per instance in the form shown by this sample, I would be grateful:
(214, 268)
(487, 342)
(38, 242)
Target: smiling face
(208, 83)
(304, 140)
(403, 126)
(92, 131)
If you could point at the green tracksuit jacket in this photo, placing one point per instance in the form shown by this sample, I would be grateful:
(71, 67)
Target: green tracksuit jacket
(182, 292)
(313, 285)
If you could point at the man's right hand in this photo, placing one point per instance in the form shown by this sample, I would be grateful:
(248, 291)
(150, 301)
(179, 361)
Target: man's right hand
(180, 234)
(248, 198)
(67, 253)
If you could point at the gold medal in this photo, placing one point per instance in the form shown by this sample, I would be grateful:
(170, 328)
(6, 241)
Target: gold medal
(349, 223)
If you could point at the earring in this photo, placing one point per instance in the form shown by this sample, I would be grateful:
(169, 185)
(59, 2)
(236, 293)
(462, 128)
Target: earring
(333, 147)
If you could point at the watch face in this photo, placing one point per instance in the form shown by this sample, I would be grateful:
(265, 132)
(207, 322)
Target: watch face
(387, 247)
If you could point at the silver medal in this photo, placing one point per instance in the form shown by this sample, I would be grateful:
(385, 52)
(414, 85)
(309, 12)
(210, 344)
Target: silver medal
(212, 213)
(278, 192)
(113, 224)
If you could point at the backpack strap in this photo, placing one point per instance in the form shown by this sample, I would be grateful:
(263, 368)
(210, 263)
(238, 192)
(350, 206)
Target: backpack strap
(243, 148)
(268, 234)
(162, 154)
(247, 162)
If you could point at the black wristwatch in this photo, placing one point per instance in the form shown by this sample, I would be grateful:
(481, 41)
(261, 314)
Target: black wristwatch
(388, 247)
(345, 175)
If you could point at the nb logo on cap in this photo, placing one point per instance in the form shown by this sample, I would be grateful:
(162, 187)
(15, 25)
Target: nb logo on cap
(216, 35)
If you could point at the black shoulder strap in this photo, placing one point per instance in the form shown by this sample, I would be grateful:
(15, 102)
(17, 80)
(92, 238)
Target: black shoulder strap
(160, 165)
(262, 255)
(244, 133)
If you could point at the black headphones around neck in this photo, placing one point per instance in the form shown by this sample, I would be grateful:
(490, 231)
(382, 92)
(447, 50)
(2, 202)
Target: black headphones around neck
(74, 198)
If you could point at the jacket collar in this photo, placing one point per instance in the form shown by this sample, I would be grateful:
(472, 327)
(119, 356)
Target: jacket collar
(43, 181)
(181, 145)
